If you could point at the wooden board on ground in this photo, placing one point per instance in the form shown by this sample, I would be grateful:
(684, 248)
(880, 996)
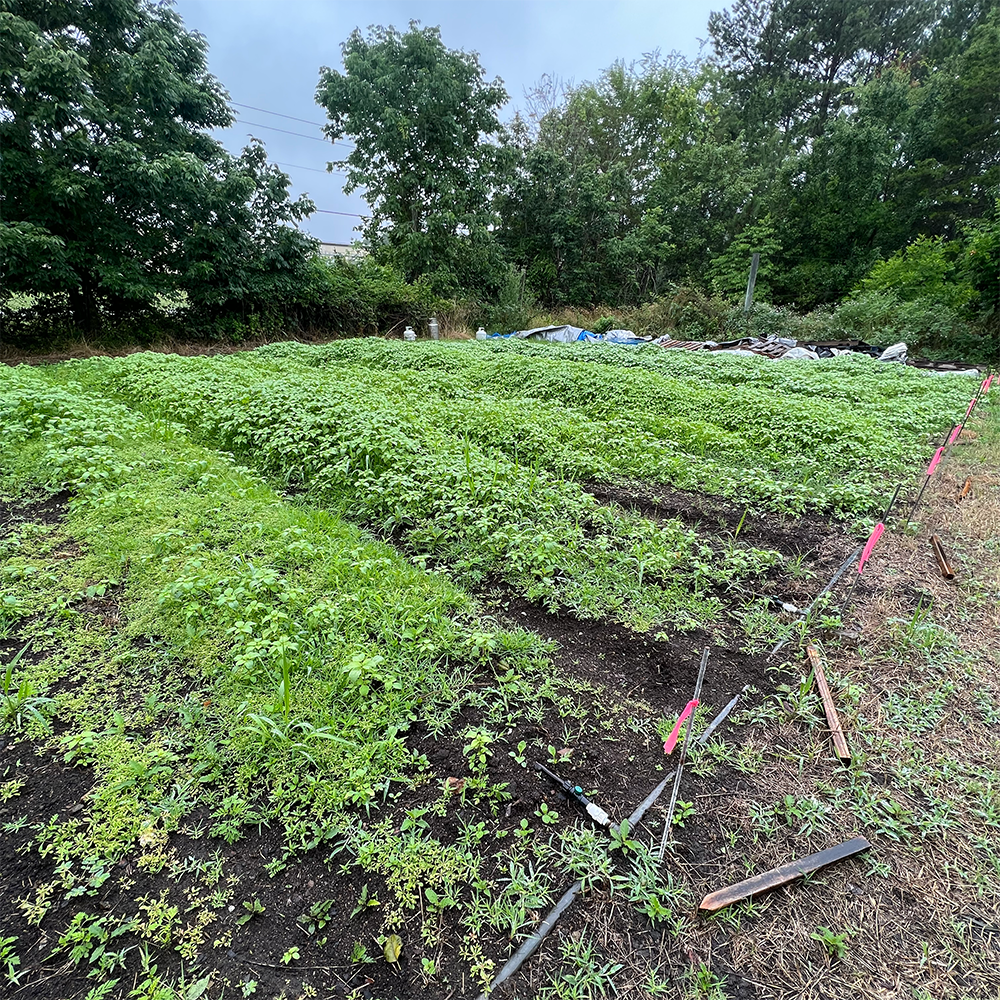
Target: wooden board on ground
(840, 746)
(777, 877)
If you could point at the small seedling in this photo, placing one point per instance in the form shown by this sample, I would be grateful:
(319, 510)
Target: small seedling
(835, 944)
(620, 840)
(290, 956)
(519, 755)
(363, 902)
(546, 815)
(684, 810)
(252, 908)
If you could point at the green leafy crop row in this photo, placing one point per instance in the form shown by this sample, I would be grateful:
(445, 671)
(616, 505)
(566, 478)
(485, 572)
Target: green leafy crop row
(798, 436)
(400, 459)
(277, 655)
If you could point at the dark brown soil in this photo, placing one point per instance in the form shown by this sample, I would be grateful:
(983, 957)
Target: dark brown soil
(618, 765)
(49, 509)
(807, 537)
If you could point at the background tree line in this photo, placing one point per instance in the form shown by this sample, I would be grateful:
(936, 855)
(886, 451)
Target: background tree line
(855, 144)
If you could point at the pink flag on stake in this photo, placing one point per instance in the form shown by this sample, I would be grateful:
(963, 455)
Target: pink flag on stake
(671, 741)
(969, 410)
(870, 544)
(989, 382)
(956, 430)
(936, 459)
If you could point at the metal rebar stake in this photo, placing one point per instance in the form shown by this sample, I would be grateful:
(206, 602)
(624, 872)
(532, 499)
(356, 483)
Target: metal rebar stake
(680, 763)
(854, 582)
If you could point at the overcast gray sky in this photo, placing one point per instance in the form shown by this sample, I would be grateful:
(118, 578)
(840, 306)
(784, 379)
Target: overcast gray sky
(267, 54)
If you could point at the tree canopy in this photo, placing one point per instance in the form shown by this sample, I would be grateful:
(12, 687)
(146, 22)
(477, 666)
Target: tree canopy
(112, 192)
(424, 123)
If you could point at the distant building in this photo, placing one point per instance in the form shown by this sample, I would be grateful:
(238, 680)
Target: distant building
(349, 250)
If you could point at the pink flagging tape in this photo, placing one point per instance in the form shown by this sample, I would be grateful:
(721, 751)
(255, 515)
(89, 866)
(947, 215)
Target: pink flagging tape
(671, 741)
(989, 382)
(936, 459)
(870, 544)
(956, 430)
(969, 410)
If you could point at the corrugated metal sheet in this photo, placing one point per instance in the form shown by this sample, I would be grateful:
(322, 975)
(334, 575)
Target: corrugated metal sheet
(685, 345)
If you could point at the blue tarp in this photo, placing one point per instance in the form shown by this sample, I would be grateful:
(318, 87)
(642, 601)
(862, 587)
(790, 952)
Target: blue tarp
(574, 334)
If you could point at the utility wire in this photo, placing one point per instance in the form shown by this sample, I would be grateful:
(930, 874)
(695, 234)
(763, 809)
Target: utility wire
(299, 166)
(302, 135)
(278, 114)
(291, 118)
(327, 211)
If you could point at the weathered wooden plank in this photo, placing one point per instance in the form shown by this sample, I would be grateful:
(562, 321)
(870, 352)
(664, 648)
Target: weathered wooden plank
(840, 746)
(722, 898)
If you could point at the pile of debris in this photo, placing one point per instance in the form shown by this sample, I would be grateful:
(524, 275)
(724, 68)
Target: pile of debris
(783, 348)
(787, 349)
(567, 334)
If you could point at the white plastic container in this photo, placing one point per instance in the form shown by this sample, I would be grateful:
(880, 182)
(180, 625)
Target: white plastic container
(480, 334)
(409, 334)
(434, 330)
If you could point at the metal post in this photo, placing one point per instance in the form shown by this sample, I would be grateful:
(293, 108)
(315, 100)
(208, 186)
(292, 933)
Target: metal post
(751, 283)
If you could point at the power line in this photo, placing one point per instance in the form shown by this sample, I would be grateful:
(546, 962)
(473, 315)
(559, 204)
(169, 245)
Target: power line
(299, 166)
(315, 138)
(278, 114)
(353, 215)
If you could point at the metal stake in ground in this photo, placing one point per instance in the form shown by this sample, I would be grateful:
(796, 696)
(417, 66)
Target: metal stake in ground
(680, 763)
(867, 550)
(565, 901)
(834, 580)
(935, 461)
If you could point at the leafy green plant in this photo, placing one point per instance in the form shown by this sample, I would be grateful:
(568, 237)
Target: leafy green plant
(620, 839)
(583, 973)
(834, 944)
(9, 959)
(547, 815)
(316, 917)
(705, 984)
(253, 908)
(682, 812)
(364, 902)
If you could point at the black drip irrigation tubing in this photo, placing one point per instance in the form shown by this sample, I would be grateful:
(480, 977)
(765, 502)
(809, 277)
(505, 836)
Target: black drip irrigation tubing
(566, 900)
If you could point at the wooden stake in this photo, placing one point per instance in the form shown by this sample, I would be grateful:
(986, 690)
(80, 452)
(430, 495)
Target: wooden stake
(781, 876)
(840, 747)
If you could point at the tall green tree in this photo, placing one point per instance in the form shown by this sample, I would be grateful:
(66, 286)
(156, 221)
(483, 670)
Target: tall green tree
(423, 120)
(790, 65)
(111, 189)
(960, 134)
(580, 212)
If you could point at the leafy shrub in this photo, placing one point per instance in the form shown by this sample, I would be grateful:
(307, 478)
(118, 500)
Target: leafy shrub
(926, 271)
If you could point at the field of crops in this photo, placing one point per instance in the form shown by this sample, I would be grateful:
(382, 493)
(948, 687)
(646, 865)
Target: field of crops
(275, 607)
